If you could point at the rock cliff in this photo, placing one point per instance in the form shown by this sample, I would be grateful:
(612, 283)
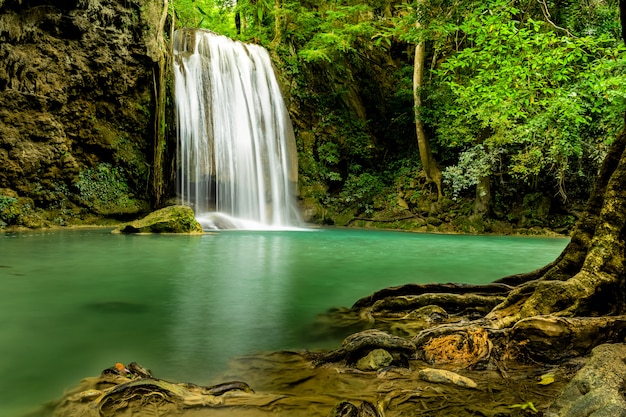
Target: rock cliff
(76, 108)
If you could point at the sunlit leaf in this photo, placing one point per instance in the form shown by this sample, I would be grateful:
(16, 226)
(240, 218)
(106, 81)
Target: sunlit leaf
(546, 379)
(527, 405)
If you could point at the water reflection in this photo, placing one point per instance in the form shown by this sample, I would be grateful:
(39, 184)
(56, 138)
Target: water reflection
(231, 301)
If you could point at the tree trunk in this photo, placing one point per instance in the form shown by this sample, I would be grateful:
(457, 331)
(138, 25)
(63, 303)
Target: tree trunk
(278, 23)
(588, 278)
(483, 196)
(160, 96)
(431, 169)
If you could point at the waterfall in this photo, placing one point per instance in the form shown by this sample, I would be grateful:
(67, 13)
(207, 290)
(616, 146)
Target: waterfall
(237, 160)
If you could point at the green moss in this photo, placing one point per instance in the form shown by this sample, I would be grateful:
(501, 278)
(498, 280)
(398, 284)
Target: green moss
(173, 219)
(104, 189)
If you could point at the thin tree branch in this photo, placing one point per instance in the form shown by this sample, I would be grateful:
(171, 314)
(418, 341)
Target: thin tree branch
(546, 15)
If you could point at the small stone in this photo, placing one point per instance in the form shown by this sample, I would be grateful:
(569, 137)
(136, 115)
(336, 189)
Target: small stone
(446, 377)
(376, 359)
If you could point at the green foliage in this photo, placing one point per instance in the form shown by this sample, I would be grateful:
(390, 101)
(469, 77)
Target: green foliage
(9, 210)
(216, 15)
(361, 190)
(591, 18)
(104, 189)
(15, 211)
(338, 32)
(329, 157)
(523, 85)
(474, 164)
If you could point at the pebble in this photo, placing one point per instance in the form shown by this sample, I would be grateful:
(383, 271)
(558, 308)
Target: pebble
(446, 377)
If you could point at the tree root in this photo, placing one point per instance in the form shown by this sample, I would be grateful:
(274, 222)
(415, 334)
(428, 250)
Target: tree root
(468, 326)
(358, 345)
(423, 289)
(367, 219)
(121, 388)
(552, 339)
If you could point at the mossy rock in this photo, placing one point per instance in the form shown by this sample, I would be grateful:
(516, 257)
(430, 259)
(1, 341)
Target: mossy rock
(173, 219)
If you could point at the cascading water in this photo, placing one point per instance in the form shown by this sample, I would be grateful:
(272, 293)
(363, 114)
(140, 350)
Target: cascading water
(237, 161)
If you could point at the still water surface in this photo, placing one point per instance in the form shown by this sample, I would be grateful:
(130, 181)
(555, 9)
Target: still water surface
(75, 302)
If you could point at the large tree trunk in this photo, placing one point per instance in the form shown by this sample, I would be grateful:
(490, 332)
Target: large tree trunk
(588, 278)
(160, 95)
(431, 169)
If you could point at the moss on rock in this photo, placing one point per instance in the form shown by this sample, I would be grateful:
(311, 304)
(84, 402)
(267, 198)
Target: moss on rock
(173, 219)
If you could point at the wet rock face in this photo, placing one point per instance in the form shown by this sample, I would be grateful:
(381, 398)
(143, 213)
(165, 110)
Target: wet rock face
(75, 96)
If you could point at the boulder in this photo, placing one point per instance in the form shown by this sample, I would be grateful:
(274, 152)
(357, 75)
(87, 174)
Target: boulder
(598, 388)
(173, 219)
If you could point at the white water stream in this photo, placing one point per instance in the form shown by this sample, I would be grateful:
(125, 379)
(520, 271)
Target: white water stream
(237, 162)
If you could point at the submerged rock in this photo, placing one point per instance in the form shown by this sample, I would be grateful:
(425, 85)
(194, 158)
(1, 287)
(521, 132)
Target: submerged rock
(173, 219)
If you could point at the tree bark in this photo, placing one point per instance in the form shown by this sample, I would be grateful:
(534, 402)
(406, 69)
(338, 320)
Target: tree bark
(483, 196)
(431, 169)
(278, 23)
(588, 278)
(160, 96)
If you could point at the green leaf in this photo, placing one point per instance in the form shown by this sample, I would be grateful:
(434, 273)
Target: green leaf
(546, 379)
(527, 405)
(201, 11)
